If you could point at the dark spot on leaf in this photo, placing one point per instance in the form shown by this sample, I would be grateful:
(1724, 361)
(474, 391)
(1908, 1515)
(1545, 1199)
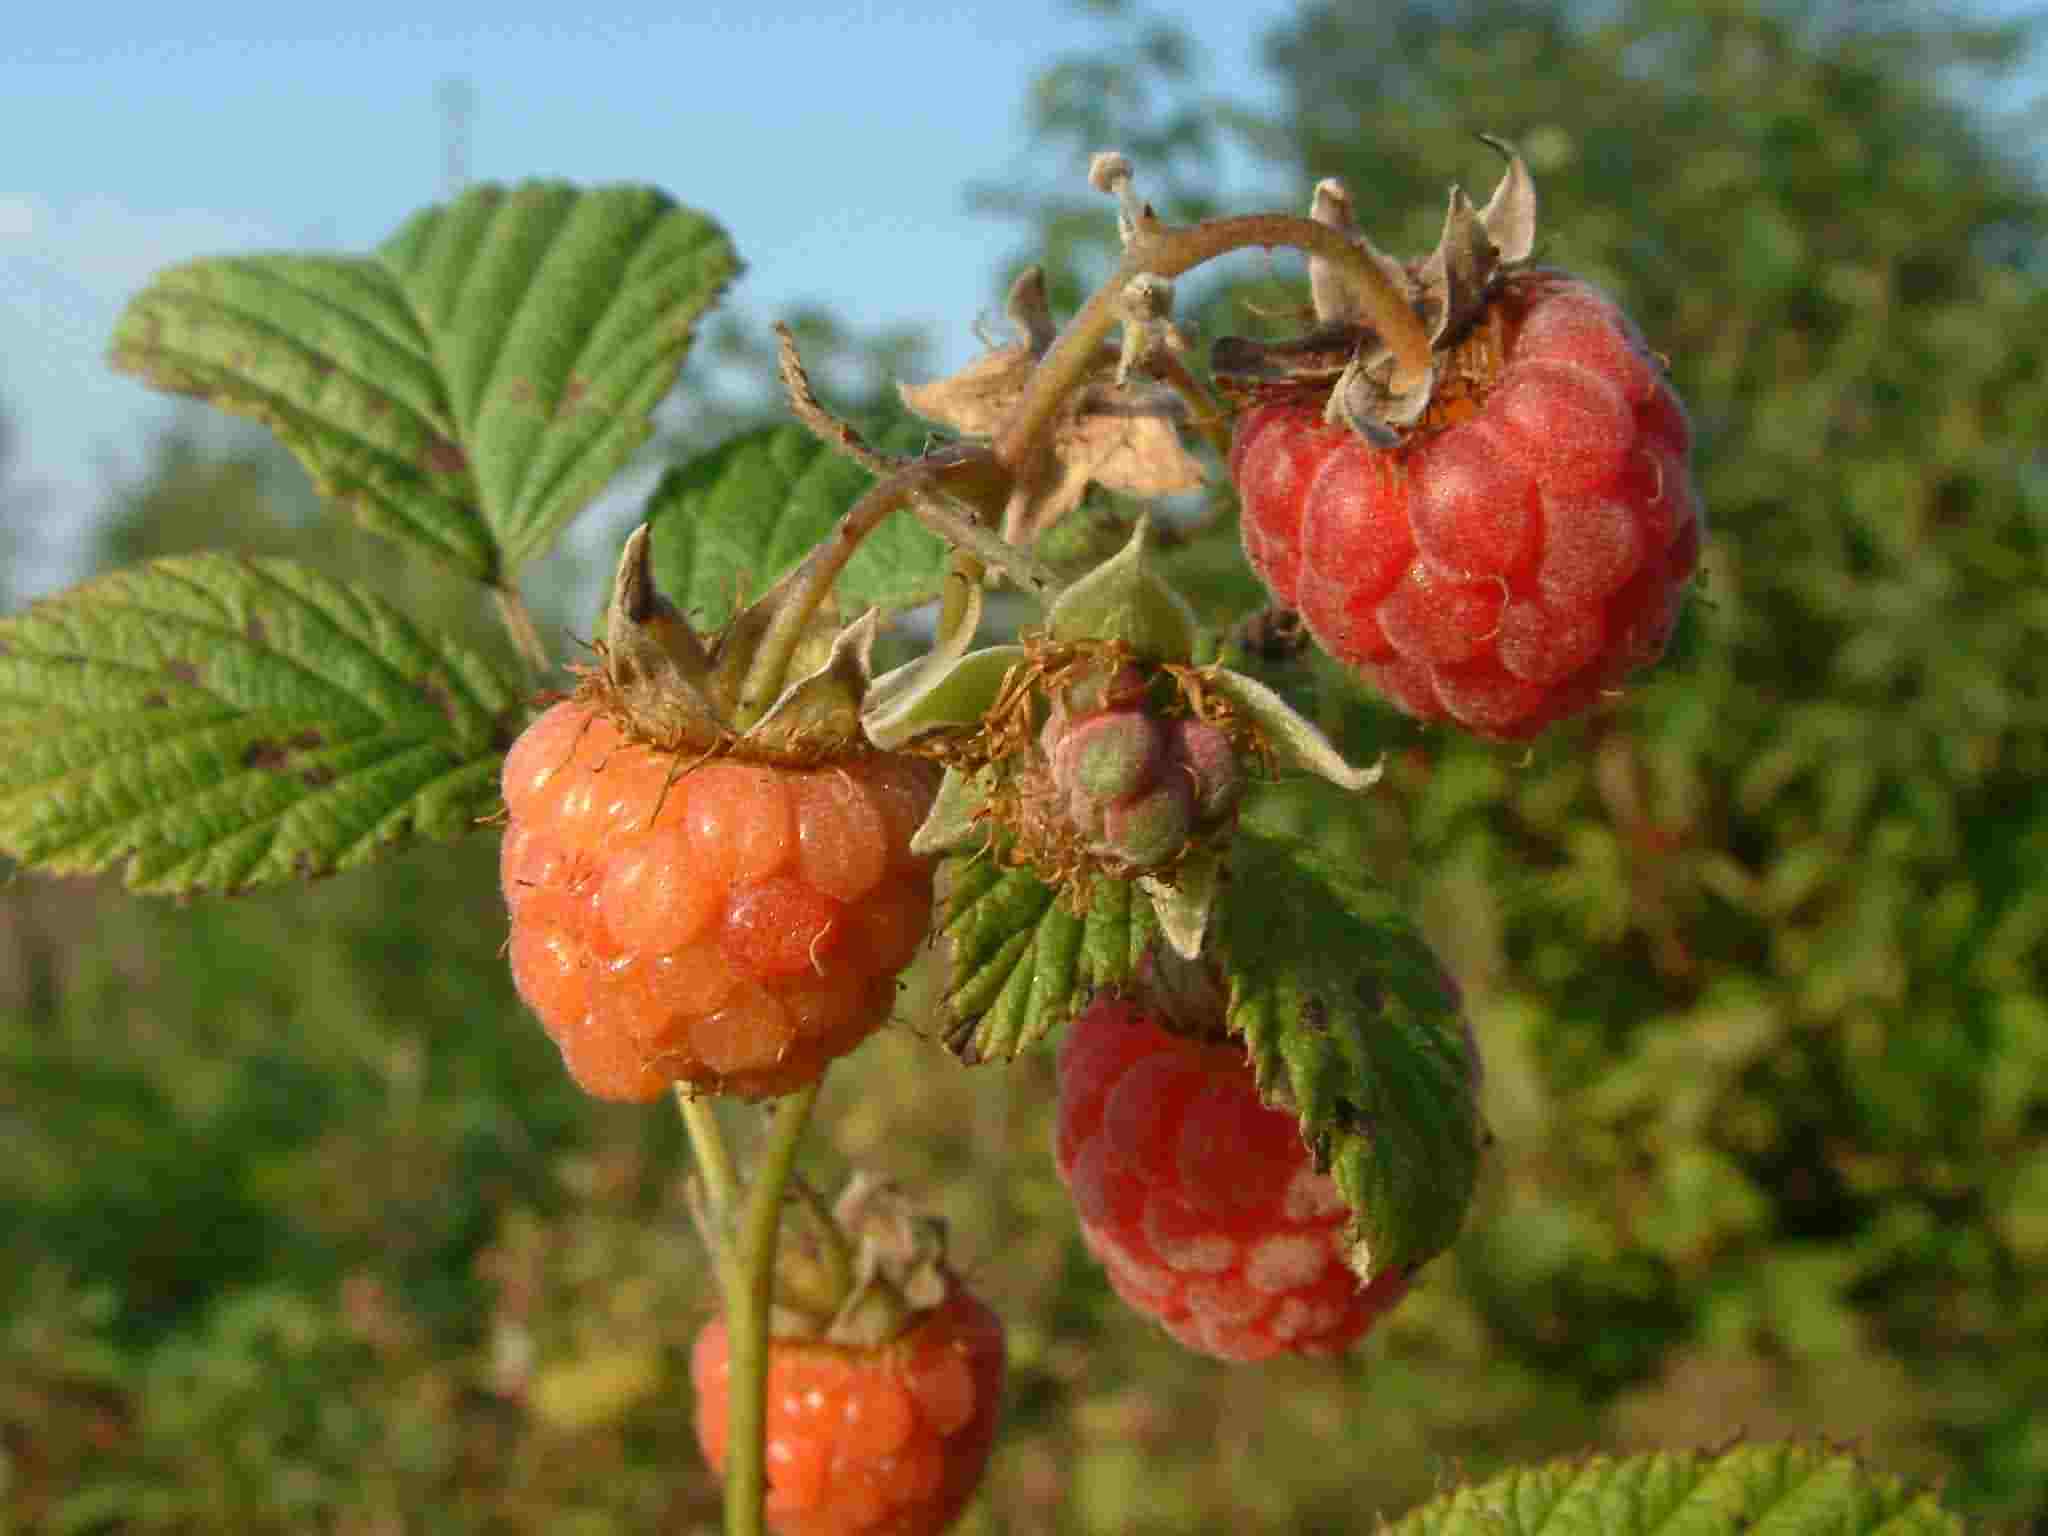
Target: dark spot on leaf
(184, 672)
(266, 756)
(306, 741)
(322, 367)
(318, 776)
(444, 457)
(959, 1039)
(506, 728)
(154, 701)
(436, 693)
(573, 394)
(520, 391)
(257, 631)
(1315, 1017)
(1347, 1114)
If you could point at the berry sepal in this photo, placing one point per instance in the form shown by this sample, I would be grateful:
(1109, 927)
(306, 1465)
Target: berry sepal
(1128, 601)
(666, 686)
(1344, 365)
(858, 1273)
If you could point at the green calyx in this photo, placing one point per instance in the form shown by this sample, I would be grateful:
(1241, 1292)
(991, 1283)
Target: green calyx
(1128, 601)
(1095, 749)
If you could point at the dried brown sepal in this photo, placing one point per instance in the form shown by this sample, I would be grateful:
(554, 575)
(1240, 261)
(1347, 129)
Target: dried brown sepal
(1343, 367)
(1124, 437)
(665, 686)
(857, 1273)
(804, 404)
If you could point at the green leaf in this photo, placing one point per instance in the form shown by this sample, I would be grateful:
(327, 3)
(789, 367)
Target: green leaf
(472, 385)
(215, 723)
(1784, 1490)
(734, 520)
(1018, 963)
(1348, 1018)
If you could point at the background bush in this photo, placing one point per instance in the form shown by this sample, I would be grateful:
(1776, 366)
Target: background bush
(311, 1233)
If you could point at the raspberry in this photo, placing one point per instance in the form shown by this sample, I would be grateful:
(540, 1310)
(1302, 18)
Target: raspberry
(1135, 784)
(735, 926)
(890, 1439)
(1200, 1201)
(1523, 550)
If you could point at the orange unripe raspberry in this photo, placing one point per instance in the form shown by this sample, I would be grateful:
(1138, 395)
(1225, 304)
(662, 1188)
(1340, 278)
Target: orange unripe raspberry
(889, 1441)
(731, 925)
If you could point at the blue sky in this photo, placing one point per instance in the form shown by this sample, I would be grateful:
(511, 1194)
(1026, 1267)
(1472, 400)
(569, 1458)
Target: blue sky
(833, 142)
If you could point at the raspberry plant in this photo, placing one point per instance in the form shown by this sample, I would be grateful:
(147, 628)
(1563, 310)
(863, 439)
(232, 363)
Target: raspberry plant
(724, 835)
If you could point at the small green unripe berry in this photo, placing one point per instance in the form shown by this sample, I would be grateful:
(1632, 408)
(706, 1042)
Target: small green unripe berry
(1150, 829)
(1111, 756)
(1204, 754)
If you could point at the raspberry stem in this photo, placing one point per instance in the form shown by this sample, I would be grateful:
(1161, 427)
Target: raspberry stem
(747, 1277)
(1167, 251)
(707, 1146)
(945, 491)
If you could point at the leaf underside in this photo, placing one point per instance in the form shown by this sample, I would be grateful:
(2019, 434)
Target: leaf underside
(214, 723)
(1018, 962)
(1751, 1490)
(731, 522)
(1349, 1021)
(471, 385)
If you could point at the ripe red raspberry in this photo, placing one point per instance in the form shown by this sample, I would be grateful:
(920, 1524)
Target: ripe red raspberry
(1522, 550)
(868, 1441)
(1200, 1201)
(734, 927)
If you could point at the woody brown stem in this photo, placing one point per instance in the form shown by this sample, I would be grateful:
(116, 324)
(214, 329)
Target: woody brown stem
(966, 471)
(1166, 251)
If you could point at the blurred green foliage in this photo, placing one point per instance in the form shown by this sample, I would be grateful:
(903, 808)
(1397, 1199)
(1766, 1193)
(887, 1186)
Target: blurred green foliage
(310, 1232)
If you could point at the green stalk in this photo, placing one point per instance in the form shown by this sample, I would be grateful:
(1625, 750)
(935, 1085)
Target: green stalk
(749, 1285)
(707, 1145)
(963, 471)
